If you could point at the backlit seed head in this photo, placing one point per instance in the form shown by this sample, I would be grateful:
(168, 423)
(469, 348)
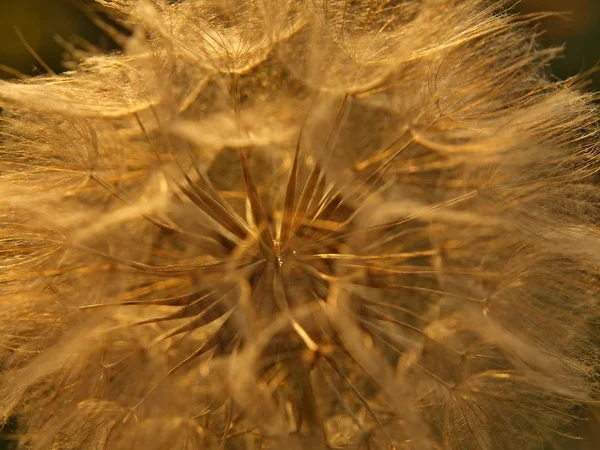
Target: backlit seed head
(300, 224)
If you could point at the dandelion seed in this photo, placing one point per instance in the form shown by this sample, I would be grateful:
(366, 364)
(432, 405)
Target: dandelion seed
(287, 224)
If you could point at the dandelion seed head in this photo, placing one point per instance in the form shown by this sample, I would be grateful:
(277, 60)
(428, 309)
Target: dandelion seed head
(325, 224)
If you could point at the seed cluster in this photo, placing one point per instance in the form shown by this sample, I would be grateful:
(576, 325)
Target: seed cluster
(300, 224)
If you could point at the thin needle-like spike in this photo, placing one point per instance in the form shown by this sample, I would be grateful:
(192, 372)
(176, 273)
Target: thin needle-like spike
(258, 212)
(290, 197)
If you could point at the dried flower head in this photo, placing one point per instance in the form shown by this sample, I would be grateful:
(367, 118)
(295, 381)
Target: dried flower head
(267, 224)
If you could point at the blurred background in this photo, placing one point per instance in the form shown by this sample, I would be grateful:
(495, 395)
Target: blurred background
(44, 27)
(578, 30)
(41, 22)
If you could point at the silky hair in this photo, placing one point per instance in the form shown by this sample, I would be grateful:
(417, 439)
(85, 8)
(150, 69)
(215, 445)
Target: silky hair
(293, 224)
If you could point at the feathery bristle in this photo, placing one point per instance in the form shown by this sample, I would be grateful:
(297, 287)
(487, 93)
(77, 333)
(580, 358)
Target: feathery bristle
(297, 224)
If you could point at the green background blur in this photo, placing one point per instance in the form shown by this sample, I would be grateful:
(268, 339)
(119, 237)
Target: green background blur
(41, 21)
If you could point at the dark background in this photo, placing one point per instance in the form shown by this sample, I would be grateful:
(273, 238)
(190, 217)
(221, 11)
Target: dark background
(42, 23)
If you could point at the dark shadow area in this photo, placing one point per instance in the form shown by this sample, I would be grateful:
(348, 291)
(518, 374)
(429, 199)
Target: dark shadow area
(41, 25)
(6, 443)
(577, 27)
